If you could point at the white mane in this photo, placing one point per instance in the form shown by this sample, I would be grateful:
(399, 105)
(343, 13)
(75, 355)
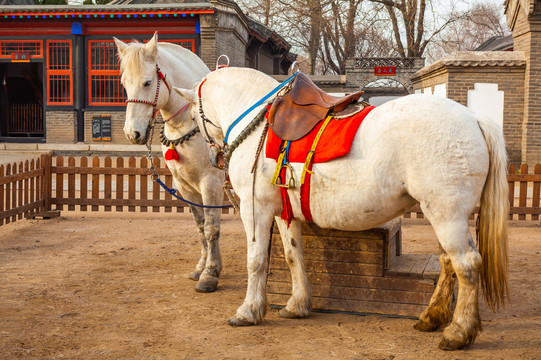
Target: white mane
(135, 57)
(236, 89)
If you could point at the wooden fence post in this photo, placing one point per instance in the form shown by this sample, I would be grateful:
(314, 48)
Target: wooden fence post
(536, 191)
(46, 181)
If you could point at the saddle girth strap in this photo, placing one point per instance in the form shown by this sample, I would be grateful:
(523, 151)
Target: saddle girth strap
(307, 173)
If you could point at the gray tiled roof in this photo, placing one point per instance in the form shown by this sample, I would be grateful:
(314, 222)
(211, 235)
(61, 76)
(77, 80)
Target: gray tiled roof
(497, 43)
(475, 59)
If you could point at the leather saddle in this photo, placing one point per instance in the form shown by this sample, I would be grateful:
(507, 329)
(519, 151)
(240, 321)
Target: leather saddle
(294, 114)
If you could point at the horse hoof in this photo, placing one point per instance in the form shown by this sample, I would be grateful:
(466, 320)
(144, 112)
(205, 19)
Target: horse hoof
(450, 345)
(207, 285)
(285, 313)
(195, 275)
(235, 321)
(424, 326)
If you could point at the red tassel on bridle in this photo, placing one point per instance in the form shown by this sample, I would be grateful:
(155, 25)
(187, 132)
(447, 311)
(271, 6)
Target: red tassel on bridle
(171, 153)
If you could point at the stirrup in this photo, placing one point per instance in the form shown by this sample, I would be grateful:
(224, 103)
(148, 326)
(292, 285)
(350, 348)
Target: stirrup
(278, 181)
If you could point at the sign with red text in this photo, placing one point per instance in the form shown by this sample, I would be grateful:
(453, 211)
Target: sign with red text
(20, 57)
(385, 70)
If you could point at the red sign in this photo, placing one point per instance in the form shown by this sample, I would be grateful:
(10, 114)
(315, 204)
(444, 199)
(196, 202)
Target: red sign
(384, 70)
(20, 57)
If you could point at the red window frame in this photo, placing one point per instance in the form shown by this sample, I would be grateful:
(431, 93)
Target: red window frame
(59, 72)
(32, 47)
(104, 87)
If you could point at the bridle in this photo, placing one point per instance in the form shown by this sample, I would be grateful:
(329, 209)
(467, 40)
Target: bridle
(217, 150)
(154, 104)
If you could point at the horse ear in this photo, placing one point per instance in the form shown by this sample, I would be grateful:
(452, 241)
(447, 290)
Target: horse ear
(151, 48)
(187, 94)
(121, 47)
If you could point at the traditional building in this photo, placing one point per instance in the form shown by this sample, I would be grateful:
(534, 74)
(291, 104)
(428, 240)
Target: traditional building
(59, 69)
(501, 79)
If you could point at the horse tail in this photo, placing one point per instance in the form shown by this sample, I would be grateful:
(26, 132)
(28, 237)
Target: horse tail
(493, 214)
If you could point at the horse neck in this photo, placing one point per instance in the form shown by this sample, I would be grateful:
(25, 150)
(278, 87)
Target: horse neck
(233, 95)
(182, 69)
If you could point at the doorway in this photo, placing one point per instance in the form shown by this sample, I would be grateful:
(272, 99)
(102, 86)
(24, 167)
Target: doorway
(21, 100)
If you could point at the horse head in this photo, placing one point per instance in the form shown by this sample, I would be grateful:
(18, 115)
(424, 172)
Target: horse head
(142, 79)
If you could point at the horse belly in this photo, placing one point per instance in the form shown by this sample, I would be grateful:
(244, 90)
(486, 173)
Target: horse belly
(344, 198)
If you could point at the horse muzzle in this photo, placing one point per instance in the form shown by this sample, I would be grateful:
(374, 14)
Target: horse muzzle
(216, 157)
(137, 137)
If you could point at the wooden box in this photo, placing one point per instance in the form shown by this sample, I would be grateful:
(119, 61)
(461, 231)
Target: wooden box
(356, 271)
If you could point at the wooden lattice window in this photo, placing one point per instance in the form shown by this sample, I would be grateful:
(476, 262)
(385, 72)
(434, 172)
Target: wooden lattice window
(32, 47)
(104, 87)
(59, 72)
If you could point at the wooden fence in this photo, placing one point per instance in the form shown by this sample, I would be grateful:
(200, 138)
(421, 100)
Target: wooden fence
(124, 184)
(24, 189)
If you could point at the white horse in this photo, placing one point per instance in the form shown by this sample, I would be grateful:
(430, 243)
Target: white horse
(418, 148)
(143, 70)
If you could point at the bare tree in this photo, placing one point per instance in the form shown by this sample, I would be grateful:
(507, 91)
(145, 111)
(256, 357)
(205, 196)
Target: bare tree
(409, 18)
(484, 21)
(351, 30)
(329, 32)
(262, 10)
(300, 22)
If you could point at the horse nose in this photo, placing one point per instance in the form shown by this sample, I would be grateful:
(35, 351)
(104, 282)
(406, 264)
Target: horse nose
(137, 135)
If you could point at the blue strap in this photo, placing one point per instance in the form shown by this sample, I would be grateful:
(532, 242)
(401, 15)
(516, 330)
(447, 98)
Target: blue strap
(257, 104)
(286, 155)
(174, 193)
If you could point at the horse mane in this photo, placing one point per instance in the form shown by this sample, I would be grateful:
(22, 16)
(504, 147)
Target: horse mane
(242, 76)
(135, 56)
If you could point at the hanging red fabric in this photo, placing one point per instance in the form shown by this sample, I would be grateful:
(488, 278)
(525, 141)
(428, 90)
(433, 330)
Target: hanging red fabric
(171, 153)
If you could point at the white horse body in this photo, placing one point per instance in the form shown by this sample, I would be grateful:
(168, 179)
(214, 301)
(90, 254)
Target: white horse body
(389, 172)
(193, 176)
(418, 148)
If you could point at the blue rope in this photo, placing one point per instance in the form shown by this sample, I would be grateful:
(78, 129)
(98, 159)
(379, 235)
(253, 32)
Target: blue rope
(174, 193)
(275, 90)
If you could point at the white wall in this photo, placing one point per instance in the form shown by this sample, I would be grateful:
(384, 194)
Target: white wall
(378, 100)
(486, 99)
(440, 90)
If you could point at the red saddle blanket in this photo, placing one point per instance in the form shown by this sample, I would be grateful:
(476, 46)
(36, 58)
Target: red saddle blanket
(335, 141)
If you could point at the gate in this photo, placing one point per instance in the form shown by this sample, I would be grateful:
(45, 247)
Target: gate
(25, 120)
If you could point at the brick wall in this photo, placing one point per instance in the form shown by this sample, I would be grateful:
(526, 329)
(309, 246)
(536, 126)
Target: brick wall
(61, 127)
(117, 124)
(527, 38)
(208, 39)
(223, 32)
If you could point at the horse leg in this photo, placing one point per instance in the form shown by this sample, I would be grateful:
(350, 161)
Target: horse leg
(455, 239)
(254, 308)
(438, 312)
(300, 302)
(199, 219)
(213, 265)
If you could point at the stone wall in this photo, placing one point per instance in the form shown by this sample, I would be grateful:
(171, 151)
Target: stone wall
(61, 127)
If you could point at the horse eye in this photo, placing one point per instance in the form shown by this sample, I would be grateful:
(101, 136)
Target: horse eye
(148, 83)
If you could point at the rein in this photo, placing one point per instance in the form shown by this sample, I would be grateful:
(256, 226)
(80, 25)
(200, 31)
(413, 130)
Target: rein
(153, 173)
(227, 150)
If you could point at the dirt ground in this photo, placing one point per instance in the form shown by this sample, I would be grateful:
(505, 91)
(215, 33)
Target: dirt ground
(115, 286)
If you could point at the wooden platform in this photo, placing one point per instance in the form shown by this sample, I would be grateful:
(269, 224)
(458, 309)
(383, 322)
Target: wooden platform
(360, 272)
